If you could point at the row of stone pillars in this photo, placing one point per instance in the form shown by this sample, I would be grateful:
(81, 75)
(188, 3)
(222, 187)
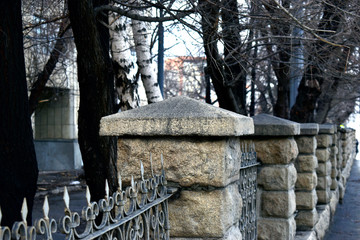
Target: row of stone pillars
(201, 146)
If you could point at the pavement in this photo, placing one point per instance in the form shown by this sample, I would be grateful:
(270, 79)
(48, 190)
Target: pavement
(51, 184)
(346, 221)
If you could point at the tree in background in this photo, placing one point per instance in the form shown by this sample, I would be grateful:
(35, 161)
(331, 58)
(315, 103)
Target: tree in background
(97, 95)
(17, 154)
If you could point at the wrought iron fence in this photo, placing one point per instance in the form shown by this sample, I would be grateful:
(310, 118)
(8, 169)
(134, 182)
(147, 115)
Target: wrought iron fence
(138, 212)
(247, 189)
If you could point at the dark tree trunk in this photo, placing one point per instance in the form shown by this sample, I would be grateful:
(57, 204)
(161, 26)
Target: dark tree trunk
(311, 84)
(281, 61)
(234, 64)
(96, 82)
(209, 23)
(39, 85)
(18, 169)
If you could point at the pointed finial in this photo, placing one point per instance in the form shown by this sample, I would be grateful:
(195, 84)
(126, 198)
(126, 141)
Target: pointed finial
(24, 210)
(119, 182)
(66, 198)
(132, 182)
(88, 196)
(162, 165)
(151, 166)
(106, 189)
(142, 170)
(46, 208)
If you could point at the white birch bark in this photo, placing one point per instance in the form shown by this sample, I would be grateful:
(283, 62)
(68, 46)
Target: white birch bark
(142, 37)
(124, 63)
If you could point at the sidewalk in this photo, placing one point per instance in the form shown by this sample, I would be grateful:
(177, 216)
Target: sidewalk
(52, 184)
(346, 222)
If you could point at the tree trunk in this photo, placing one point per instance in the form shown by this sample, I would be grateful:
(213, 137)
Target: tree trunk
(281, 61)
(96, 82)
(311, 83)
(39, 85)
(125, 69)
(18, 169)
(142, 38)
(234, 64)
(209, 24)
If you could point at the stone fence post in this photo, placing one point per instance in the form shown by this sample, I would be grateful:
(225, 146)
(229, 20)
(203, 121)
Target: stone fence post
(305, 187)
(276, 150)
(324, 143)
(200, 145)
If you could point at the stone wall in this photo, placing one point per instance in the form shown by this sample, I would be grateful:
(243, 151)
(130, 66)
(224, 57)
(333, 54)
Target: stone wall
(302, 176)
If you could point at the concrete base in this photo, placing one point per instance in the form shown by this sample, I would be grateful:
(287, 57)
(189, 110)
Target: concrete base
(58, 155)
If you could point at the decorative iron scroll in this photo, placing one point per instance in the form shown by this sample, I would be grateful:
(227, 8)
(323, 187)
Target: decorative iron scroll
(140, 211)
(247, 189)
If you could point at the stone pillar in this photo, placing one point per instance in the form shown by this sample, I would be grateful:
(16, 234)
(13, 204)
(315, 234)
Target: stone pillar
(200, 144)
(324, 143)
(305, 187)
(276, 150)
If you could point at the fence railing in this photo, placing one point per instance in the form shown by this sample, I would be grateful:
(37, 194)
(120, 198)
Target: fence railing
(247, 189)
(140, 211)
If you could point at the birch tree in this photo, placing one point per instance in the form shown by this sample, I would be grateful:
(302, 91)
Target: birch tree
(125, 70)
(142, 38)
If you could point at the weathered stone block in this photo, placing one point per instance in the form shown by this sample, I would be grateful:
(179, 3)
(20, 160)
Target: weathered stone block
(324, 183)
(209, 162)
(306, 200)
(276, 228)
(334, 201)
(276, 151)
(334, 172)
(324, 140)
(334, 184)
(306, 220)
(324, 169)
(306, 181)
(306, 144)
(323, 223)
(277, 177)
(178, 116)
(222, 208)
(305, 235)
(278, 203)
(323, 154)
(306, 163)
(323, 196)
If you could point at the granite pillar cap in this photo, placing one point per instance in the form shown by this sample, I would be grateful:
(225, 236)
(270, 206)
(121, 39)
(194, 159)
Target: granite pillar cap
(268, 125)
(327, 128)
(309, 128)
(178, 116)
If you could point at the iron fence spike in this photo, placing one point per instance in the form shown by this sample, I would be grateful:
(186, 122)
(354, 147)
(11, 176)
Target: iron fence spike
(119, 181)
(46, 208)
(142, 170)
(151, 166)
(66, 198)
(132, 182)
(106, 189)
(24, 210)
(88, 196)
